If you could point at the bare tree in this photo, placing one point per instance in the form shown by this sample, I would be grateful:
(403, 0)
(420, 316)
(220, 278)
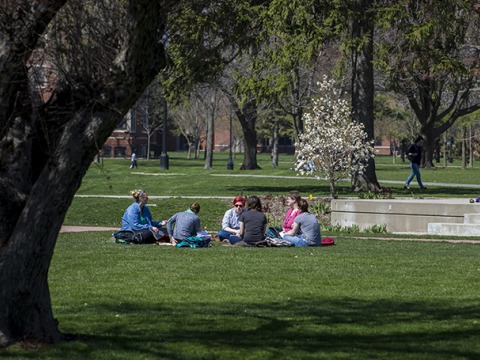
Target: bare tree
(151, 107)
(190, 123)
(211, 100)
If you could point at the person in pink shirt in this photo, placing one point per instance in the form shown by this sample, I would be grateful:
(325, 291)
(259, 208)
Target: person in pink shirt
(293, 199)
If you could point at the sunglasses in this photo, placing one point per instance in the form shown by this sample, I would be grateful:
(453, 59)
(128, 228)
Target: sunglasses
(239, 205)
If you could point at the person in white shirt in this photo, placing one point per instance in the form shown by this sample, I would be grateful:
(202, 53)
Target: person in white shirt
(230, 224)
(134, 161)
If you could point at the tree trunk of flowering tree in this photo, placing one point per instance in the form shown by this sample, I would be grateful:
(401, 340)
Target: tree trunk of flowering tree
(333, 189)
(47, 147)
(363, 90)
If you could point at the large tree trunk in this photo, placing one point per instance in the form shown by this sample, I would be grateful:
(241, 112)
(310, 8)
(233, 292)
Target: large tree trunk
(209, 143)
(247, 115)
(363, 90)
(25, 257)
(50, 148)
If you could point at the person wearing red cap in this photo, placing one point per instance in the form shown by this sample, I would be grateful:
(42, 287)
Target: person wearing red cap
(230, 224)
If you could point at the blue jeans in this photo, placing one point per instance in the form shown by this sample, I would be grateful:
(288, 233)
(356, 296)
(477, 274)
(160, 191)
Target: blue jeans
(295, 240)
(225, 235)
(415, 173)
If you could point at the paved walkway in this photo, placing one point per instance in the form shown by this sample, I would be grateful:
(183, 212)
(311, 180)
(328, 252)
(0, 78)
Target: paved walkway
(67, 228)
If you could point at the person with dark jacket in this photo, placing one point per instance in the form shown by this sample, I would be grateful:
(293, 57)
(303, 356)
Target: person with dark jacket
(414, 154)
(253, 223)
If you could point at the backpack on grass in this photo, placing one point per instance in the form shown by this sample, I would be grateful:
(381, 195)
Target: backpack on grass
(194, 242)
(128, 237)
(274, 242)
(273, 232)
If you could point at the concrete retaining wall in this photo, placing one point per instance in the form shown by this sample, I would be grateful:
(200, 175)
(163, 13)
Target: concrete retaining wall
(400, 215)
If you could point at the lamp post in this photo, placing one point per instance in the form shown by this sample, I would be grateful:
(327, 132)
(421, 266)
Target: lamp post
(230, 160)
(450, 159)
(164, 155)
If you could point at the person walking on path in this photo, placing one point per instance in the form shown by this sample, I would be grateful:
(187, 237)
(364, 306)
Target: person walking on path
(134, 163)
(414, 154)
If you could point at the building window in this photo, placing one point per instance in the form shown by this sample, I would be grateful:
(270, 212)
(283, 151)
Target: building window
(133, 120)
(127, 123)
(120, 151)
(122, 125)
(107, 151)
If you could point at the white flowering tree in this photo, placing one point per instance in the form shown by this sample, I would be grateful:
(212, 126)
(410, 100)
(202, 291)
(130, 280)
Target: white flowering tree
(332, 145)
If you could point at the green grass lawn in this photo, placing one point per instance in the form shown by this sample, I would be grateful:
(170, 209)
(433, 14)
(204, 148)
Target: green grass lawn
(187, 181)
(361, 299)
(186, 177)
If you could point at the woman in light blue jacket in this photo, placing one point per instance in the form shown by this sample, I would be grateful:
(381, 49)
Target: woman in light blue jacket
(138, 218)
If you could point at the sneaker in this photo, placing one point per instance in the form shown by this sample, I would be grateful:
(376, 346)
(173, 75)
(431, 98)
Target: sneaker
(407, 187)
(424, 188)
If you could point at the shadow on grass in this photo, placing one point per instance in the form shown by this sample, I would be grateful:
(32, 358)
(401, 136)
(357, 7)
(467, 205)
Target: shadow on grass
(298, 329)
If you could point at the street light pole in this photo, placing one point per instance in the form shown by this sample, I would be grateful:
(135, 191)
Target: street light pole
(450, 159)
(164, 155)
(230, 160)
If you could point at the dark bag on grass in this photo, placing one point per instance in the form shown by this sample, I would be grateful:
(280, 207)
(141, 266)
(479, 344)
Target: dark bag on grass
(128, 237)
(194, 242)
(274, 232)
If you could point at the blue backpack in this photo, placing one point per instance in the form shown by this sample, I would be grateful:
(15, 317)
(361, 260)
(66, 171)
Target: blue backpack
(194, 242)
(273, 232)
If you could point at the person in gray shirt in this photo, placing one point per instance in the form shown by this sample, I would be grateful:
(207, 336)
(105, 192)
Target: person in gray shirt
(184, 224)
(306, 229)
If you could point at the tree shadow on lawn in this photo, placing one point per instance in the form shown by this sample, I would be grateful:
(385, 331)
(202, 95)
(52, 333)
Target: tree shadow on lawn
(301, 328)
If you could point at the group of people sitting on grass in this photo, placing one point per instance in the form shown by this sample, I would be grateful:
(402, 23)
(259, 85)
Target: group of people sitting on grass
(243, 225)
(246, 225)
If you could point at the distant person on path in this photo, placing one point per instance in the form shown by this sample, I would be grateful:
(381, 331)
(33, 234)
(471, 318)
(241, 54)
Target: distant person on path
(253, 223)
(230, 223)
(138, 218)
(305, 230)
(414, 154)
(134, 161)
(184, 224)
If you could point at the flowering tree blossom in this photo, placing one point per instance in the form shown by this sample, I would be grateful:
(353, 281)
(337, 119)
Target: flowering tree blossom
(332, 144)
